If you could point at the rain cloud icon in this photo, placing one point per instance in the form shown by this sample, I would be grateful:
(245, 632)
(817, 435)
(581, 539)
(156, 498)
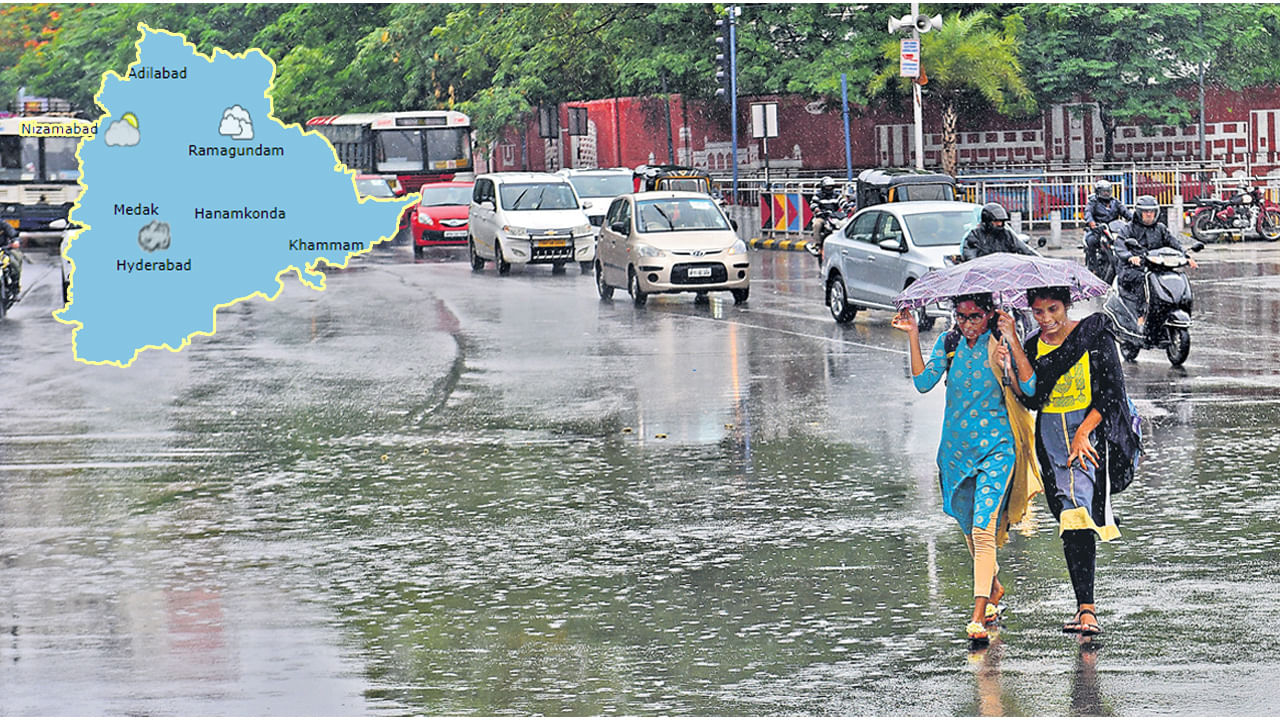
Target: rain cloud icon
(236, 123)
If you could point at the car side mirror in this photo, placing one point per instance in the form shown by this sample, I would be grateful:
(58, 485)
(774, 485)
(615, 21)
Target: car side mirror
(1042, 241)
(59, 224)
(586, 204)
(892, 245)
(488, 205)
(619, 227)
(733, 224)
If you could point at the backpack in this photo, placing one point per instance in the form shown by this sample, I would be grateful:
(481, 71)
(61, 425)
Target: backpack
(1121, 480)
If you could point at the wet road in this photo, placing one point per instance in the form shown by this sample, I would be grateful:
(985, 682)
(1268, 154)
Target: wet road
(431, 491)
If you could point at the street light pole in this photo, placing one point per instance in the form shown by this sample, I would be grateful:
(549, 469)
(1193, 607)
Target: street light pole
(733, 90)
(915, 94)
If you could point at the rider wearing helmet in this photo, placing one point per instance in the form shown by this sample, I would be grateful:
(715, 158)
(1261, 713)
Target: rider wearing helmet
(1147, 233)
(992, 236)
(1101, 209)
(825, 204)
(13, 268)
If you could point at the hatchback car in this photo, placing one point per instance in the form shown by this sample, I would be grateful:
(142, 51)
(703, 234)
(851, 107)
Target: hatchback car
(670, 242)
(520, 218)
(884, 248)
(440, 216)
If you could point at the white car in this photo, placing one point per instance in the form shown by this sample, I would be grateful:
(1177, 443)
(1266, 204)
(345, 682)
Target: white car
(597, 187)
(521, 218)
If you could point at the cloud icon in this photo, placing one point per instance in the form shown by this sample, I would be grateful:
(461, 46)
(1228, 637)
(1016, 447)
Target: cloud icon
(124, 132)
(236, 123)
(154, 236)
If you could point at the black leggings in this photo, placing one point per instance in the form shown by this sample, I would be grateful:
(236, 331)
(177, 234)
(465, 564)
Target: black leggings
(1081, 549)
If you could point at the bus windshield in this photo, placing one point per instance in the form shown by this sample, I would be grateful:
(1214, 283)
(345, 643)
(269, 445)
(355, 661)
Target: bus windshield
(20, 159)
(422, 149)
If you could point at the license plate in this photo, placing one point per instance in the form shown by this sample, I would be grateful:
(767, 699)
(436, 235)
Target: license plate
(455, 233)
(699, 272)
(552, 243)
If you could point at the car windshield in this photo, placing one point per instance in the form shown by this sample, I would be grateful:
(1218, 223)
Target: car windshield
(927, 191)
(538, 196)
(679, 214)
(437, 196)
(602, 186)
(374, 187)
(947, 227)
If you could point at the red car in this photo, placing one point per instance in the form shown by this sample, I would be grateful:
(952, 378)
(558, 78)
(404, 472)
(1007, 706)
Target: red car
(440, 217)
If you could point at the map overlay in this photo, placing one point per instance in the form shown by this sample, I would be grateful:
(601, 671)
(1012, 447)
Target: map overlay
(195, 198)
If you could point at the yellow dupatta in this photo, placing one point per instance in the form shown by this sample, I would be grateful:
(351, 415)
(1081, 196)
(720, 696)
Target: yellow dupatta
(1026, 482)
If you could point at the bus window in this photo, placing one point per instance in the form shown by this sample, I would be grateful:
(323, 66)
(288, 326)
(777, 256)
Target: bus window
(450, 148)
(10, 158)
(60, 159)
(399, 151)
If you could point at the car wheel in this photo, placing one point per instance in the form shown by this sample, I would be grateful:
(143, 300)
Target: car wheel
(585, 265)
(418, 251)
(477, 262)
(557, 268)
(638, 296)
(838, 300)
(602, 287)
(740, 295)
(504, 267)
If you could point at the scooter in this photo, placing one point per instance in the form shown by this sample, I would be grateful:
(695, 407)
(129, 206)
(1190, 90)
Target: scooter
(831, 211)
(1167, 322)
(10, 268)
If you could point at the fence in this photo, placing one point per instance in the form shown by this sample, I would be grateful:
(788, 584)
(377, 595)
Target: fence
(1033, 193)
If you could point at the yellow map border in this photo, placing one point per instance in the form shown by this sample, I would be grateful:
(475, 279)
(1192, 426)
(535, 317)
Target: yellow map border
(310, 268)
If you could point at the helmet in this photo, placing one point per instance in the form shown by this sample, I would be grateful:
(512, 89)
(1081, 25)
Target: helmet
(1145, 203)
(827, 183)
(1102, 189)
(993, 212)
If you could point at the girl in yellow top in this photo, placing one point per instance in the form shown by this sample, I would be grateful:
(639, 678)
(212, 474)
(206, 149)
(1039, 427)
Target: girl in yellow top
(1084, 436)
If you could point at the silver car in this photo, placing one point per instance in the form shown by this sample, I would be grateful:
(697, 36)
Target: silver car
(884, 248)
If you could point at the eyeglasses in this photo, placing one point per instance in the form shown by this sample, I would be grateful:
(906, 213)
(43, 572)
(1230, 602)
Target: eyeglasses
(970, 317)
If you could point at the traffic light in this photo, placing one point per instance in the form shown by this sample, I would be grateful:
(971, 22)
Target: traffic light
(724, 67)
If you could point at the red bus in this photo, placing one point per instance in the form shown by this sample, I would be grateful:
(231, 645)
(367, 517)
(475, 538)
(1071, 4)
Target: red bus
(415, 146)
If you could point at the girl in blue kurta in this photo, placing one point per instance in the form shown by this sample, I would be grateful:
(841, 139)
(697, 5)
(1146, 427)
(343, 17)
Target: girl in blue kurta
(979, 451)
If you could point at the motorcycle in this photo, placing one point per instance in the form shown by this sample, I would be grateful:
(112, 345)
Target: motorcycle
(10, 267)
(831, 211)
(1247, 209)
(1102, 262)
(1167, 323)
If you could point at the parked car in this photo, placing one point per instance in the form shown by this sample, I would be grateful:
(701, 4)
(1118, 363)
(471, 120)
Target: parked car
(521, 218)
(670, 242)
(884, 248)
(598, 187)
(440, 217)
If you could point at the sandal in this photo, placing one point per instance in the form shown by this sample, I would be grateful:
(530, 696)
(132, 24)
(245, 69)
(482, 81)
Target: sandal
(993, 614)
(977, 633)
(1078, 625)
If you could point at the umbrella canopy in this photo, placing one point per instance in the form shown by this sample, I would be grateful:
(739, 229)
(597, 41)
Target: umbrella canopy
(1006, 276)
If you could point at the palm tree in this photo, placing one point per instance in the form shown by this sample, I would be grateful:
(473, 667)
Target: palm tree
(966, 63)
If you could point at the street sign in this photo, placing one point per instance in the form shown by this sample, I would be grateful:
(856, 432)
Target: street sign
(909, 59)
(764, 120)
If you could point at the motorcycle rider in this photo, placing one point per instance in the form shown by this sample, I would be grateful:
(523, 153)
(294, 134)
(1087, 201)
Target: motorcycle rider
(825, 204)
(1101, 209)
(1149, 235)
(991, 236)
(12, 273)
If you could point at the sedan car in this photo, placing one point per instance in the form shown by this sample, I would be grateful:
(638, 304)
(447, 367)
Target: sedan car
(440, 217)
(670, 242)
(884, 248)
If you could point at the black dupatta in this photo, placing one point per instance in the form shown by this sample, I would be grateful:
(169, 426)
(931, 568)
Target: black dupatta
(1092, 334)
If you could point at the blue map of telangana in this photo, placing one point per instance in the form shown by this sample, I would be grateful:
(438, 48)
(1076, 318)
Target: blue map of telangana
(196, 198)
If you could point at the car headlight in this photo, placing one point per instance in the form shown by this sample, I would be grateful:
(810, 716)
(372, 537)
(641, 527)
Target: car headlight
(514, 231)
(649, 251)
(584, 229)
(739, 248)
(424, 218)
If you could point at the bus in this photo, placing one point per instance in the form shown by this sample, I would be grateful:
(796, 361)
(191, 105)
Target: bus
(39, 171)
(415, 146)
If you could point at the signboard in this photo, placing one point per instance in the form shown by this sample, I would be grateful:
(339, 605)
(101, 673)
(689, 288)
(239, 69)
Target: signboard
(577, 121)
(764, 120)
(909, 59)
(549, 121)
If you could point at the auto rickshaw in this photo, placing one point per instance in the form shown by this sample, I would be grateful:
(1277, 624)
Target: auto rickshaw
(885, 185)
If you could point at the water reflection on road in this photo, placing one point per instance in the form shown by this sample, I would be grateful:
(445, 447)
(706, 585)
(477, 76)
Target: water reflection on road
(428, 491)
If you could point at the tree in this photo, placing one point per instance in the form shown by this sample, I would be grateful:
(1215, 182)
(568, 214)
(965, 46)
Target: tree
(968, 66)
